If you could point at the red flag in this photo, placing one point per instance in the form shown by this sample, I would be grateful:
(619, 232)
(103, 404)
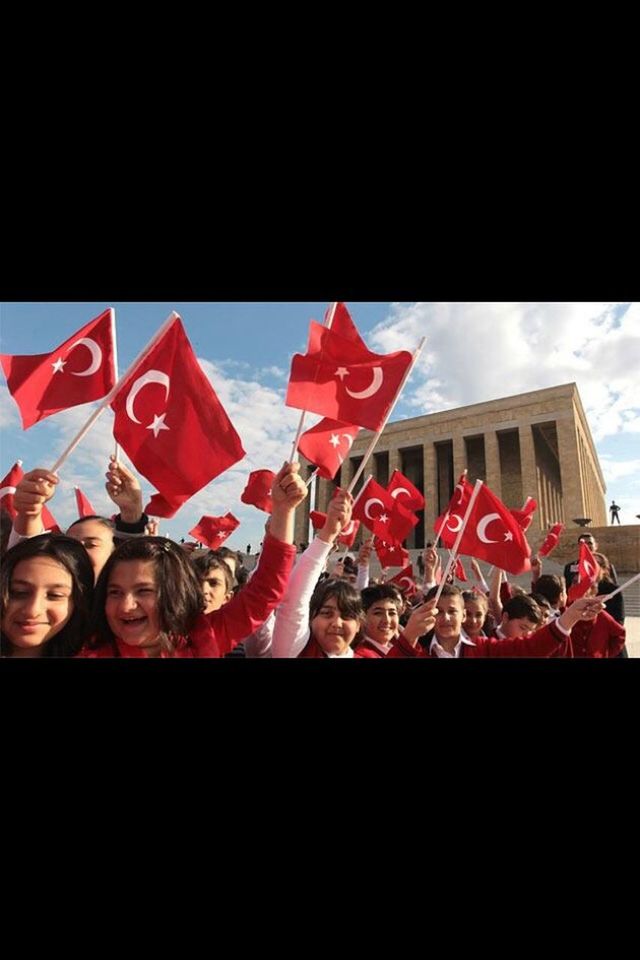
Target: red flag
(327, 445)
(172, 426)
(390, 555)
(343, 380)
(381, 514)
(8, 487)
(257, 492)
(344, 326)
(348, 535)
(85, 507)
(405, 582)
(493, 534)
(78, 371)
(460, 571)
(525, 516)
(213, 531)
(588, 572)
(402, 490)
(454, 513)
(551, 540)
(7, 490)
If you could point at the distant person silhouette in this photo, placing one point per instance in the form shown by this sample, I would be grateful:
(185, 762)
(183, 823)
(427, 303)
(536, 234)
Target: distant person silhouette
(615, 512)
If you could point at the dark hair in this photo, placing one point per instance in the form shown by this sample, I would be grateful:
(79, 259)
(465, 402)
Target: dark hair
(586, 536)
(550, 587)
(73, 557)
(179, 598)
(542, 601)
(475, 596)
(449, 590)
(203, 563)
(605, 567)
(347, 598)
(6, 526)
(383, 591)
(109, 524)
(523, 606)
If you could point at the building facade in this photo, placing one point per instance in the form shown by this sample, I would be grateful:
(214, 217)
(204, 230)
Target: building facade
(536, 444)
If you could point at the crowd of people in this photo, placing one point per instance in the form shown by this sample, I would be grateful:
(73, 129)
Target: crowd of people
(107, 588)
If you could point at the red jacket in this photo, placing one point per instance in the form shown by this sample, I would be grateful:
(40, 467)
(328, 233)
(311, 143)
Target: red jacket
(543, 643)
(602, 637)
(217, 633)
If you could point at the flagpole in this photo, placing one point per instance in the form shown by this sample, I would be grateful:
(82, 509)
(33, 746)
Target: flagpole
(624, 586)
(303, 415)
(114, 340)
(115, 391)
(312, 477)
(435, 546)
(372, 445)
(454, 551)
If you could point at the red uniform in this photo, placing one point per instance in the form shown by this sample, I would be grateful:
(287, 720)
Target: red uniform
(602, 637)
(217, 633)
(313, 651)
(543, 643)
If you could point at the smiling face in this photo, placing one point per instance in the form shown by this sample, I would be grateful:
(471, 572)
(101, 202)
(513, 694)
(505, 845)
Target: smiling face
(39, 605)
(131, 605)
(97, 539)
(334, 632)
(381, 621)
(476, 612)
(450, 616)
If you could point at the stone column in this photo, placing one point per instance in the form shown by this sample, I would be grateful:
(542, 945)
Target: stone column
(459, 458)
(570, 472)
(493, 476)
(430, 468)
(394, 460)
(528, 466)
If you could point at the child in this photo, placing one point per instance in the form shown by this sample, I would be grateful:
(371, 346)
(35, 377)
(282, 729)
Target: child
(602, 637)
(382, 608)
(215, 579)
(46, 590)
(324, 620)
(477, 607)
(149, 600)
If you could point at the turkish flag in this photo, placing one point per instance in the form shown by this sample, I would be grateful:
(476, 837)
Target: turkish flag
(8, 487)
(404, 492)
(493, 534)
(85, 507)
(460, 571)
(343, 380)
(343, 325)
(551, 540)
(405, 582)
(454, 514)
(327, 445)
(525, 516)
(171, 424)
(78, 371)
(390, 555)
(348, 535)
(213, 531)
(588, 572)
(383, 515)
(257, 492)
(7, 490)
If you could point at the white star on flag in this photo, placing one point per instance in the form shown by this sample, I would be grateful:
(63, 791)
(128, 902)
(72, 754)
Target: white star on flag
(158, 425)
(508, 535)
(335, 440)
(58, 365)
(341, 372)
(383, 518)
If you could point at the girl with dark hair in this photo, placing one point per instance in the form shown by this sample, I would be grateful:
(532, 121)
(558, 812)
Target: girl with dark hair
(149, 602)
(46, 590)
(324, 620)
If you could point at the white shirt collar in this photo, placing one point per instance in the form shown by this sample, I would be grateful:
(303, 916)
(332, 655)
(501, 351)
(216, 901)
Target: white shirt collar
(439, 651)
(382, 647)
(347, 655)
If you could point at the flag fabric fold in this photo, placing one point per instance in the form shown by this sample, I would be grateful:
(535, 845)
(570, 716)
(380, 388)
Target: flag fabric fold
(551, 540)
(382, 514)
(327, 445)
(85, 507)
(348, 535)
(493, 534)
(588, 573)
(257, 492)
(404, 492)
(389, 554)
(7, 490)
(454, 514)
(171, 424)
(213, 531)
(343, 380)
(80, 370)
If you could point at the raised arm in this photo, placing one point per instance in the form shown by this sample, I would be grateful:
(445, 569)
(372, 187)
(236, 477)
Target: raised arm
(33, 491)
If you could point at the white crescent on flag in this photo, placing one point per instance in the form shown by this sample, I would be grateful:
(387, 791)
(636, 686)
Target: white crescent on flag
(348, 530)
(6, 490)
(349, 440)
(395, 493)
(407, 580)
(96, 356)
(375, 385)
(458, 527)
(482, 527)
(370, 503)
(460, 490)
(590, 569)
(151, 376)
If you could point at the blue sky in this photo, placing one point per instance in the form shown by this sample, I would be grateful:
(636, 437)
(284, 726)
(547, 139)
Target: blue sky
(474, 352)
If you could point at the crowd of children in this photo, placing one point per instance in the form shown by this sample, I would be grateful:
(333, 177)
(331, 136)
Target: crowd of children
(108, 589)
